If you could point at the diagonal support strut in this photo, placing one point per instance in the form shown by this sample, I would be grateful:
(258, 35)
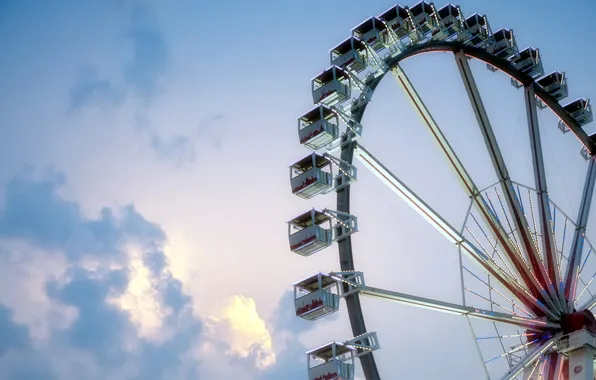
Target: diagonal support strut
(414, 201)
(445, 307)
(577, 244)
(500, 234)
(522, 229)
(544, 212)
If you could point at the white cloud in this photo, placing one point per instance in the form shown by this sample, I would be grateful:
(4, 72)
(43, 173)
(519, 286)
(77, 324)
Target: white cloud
(237, 324)
(141, 300)
(29, 267)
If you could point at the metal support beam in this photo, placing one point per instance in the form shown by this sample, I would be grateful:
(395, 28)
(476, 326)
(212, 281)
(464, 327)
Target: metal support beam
(453, 235)
(552, 365)
(577, 245)
(498, 231)
(346, 259)
(446, 307)
(544, 213)
(522, 228)
(365, 343)
(532, 356)
(589, 305)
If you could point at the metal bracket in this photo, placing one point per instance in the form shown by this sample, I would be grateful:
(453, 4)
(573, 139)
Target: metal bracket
(347, 173)
(354, 280)
(397, 46)
(351, 124)
(346, 224)
(584, 152)
(360, 85)
(376, 64)
(364, 343)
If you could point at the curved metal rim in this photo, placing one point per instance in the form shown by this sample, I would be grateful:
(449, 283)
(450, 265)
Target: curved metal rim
(347, 153)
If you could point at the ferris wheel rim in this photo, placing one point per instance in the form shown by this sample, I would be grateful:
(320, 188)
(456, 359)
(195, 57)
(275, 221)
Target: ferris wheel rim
(358, 108)
(501, 64)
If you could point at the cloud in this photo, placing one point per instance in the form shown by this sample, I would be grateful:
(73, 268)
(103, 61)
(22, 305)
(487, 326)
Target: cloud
(150, 57)
(182, 149)
(179, 150)
(287, 329)
(144, 72)
(33, 211)
(207, 124)
(290, 365)
(13, 335)
(100, 328)
(287, 333)
(95, 298)
(101, 287)
(18, 359)
(238, 325)
(29, 266)
(91, 90)
(207, 133)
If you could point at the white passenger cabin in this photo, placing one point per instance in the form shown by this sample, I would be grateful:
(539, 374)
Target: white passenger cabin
(503, 44)
(477, 30)
(316, 297)
(333, 361)
(330, 87)
(451, 22)
(399, 23)
(528, 62)
(555, 84)
(311, 176)
(580, 110)
(423, 17)
(351, 54)
(318, 127)
(307, 234)
(370, 32)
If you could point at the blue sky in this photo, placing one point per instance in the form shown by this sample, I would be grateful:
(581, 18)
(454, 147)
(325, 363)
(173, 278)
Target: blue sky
(143, 184)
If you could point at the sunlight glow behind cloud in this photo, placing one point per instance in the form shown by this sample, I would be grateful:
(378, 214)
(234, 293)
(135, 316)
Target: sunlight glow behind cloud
(141, 300)
(238, 323)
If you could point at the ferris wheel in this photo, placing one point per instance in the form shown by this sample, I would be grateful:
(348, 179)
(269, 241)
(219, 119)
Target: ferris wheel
(526, 265)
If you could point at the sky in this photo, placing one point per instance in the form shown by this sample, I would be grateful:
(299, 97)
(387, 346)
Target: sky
(144, 184)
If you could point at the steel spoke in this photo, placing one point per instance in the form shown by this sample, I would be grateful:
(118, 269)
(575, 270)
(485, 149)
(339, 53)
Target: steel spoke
(589, 305)
(450, 308)
(515, 256)
(522, 228)
(544, 214)
(577, 243)
(532, 356)
(447, 230)
(493, 289)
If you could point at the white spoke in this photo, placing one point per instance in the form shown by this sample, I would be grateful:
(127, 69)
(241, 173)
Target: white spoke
(414, 201)
(507, 336)
(589, 305)
(522, 228)
(577, 244)
(491, 289)
(544, 214)
(450, 308)
(514, 255)
(532, 356)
